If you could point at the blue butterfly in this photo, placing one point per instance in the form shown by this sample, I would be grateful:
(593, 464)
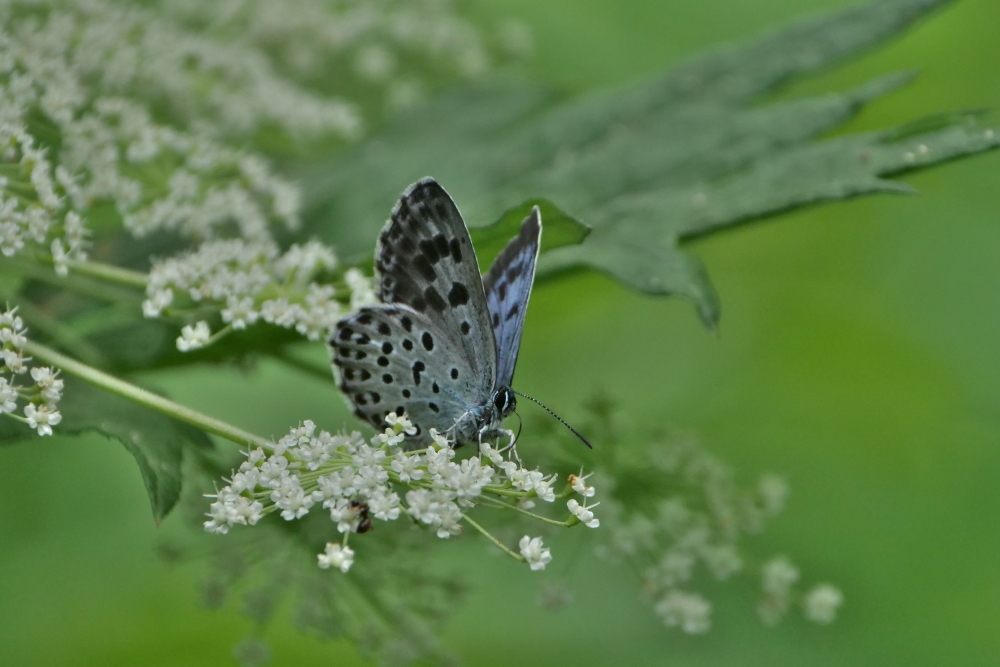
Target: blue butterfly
(442, 346)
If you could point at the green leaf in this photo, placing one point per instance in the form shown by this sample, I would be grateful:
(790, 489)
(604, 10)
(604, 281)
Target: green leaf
(560, 230)
(156, 441)
(660, 164)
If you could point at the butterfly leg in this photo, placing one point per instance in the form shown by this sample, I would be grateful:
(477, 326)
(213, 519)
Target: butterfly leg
(502, 432)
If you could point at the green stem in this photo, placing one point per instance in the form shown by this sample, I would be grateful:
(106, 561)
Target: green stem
(503, 491)
(141, 396)
(79, 284)
(517, 557)
(115, 274)
(562, 524)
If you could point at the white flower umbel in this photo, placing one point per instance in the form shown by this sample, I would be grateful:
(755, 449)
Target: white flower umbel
(359, 482)
(534, 553)
(822, 602)
(194, 337)
(696, 528)
(688, 611)
(242, 280)
(336, 555)
(41, 397)
(778, 577)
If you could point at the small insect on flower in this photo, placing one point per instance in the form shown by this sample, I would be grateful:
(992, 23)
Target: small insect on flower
(440, 344)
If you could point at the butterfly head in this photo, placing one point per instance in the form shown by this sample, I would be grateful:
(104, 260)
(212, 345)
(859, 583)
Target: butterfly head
(504, 403)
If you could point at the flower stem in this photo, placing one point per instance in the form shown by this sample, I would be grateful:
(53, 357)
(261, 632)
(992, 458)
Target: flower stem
(115, 274)
(141, 396)
(517, 557)
(499, 503)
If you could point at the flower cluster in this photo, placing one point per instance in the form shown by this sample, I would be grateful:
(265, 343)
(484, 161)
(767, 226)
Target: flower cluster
(246, 282)
(69, 149)
(42, 396)
(358, 482)
(389, 49)
(108, 107)
(700, 527)
(137, 52)
(778, 578)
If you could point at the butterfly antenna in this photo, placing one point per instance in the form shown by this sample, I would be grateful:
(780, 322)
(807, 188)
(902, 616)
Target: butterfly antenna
(563, 421)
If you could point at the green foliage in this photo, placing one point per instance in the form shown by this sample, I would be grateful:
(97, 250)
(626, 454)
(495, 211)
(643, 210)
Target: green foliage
(157, 442)
(664, 162)
(561, 230)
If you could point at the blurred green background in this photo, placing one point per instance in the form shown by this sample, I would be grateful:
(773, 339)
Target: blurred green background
(858, 356)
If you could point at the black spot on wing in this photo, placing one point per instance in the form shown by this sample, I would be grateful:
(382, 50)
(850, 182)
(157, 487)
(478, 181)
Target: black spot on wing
(407, 323)
(434, 299)
(428, 341)
(441, 245)
(387, 348)
(427, 272)
(456, 251)
(429, 250)
(418, 367)
(383, 328)
(512, 313)
(458, 296)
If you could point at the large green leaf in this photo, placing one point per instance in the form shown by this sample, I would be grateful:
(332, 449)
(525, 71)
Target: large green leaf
(157, 442)
(659, 164)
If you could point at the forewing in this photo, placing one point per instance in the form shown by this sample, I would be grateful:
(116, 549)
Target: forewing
(424, 259)
(508, 287)
(392, 358)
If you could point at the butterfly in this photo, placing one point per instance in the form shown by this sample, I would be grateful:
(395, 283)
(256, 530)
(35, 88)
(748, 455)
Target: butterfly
(441, 346)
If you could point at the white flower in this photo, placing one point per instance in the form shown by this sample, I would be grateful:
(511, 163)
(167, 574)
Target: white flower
(533, 552)
(239, 312)
(773, 490)
(8, 396)
(584, 514)
(406, 466)
(439, 440)
(389, 437)
(821, 604)
(41, 418)
(579, 484)
(402, 422)
(336, 556)
(688, 611)
(48, 383)
(194, 337)
(722, 560)
(779, 575)
(384, 506)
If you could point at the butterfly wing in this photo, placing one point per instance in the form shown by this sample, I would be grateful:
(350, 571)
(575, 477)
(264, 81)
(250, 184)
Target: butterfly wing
(391, 358)
(425, 260)
(435, 321)
(508, 287)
